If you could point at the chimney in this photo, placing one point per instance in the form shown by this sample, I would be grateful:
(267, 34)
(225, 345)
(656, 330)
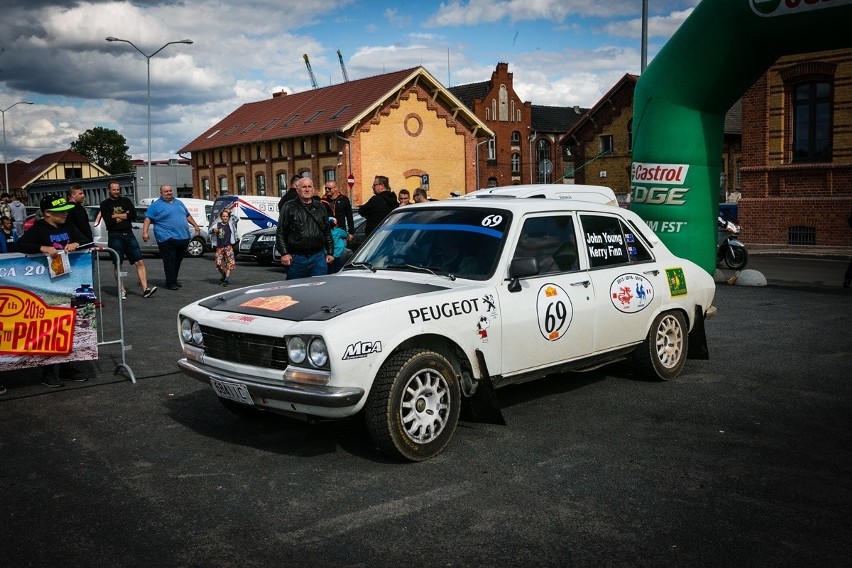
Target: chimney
(576, 109)
(279, 94)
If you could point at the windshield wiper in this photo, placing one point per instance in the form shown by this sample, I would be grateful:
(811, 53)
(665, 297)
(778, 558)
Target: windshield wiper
(411, 267)
(366, 265)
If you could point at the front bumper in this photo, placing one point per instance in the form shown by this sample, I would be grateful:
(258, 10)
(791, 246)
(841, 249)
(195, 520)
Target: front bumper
(266, 395)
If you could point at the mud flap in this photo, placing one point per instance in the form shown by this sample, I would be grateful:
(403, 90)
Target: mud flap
(698, 337)
(482, 405)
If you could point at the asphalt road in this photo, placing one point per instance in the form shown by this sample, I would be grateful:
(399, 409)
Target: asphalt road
(742, 461)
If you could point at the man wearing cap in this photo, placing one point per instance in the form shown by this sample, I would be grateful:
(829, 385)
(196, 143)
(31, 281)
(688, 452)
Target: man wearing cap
(50, 235)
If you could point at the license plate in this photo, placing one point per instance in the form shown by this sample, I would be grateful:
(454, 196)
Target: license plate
(232, 391)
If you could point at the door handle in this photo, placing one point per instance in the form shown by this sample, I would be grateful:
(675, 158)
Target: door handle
(583, 283)
(654, 272)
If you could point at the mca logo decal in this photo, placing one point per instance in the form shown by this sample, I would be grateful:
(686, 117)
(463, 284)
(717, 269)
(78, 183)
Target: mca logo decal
(362, 349)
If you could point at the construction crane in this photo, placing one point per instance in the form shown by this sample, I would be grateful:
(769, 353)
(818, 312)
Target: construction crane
(310, 71)
(342, 66)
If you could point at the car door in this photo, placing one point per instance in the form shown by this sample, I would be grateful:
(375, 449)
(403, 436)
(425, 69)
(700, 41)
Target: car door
(149, 247)
(625, 277)
(551, 317)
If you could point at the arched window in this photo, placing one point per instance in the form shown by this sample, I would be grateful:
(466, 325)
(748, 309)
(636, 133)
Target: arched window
(492, 150)
(516, 164)
(223, 186)
(516, 138)
(260, 184)
(241, 185)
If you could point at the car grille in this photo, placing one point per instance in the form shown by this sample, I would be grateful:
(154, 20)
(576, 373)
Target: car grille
(245, 348)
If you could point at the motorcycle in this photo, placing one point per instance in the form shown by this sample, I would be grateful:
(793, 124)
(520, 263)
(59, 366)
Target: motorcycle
(729, 248)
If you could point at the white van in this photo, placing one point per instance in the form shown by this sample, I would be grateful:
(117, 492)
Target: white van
(252, 211)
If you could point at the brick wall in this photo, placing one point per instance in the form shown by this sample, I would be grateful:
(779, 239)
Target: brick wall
(778, 194)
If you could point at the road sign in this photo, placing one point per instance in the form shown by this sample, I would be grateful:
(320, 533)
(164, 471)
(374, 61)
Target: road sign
(424, 179)
(350, 181)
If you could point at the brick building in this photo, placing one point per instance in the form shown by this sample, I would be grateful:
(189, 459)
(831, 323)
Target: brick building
(403, 125)
(797, 152)
(525, 146)
(601, 143)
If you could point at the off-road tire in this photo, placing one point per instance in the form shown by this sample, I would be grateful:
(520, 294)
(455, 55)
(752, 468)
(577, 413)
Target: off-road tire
(413, 407)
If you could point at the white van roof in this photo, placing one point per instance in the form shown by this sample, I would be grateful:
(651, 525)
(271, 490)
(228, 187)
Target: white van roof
(591, 193)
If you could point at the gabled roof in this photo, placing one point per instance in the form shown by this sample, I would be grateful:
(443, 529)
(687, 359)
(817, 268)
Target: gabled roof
(470, 93)
(337, 108)
(554, 119)
(628, 81)
(22, 174)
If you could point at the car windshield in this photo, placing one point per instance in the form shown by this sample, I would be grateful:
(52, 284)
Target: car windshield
(454, 242)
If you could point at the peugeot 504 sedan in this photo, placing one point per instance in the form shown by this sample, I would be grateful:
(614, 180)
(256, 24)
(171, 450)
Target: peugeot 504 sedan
(444, 302)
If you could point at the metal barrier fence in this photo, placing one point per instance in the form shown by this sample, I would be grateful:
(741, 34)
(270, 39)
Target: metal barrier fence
(102, 339)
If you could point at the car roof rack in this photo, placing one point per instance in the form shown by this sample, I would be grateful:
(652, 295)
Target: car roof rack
(589, 193)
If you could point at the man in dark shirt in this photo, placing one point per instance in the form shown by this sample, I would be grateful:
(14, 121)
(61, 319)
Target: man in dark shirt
(377, 207)
(304, 234)
(290, 194)
(78, 216)
(118, 213)
(341, 208)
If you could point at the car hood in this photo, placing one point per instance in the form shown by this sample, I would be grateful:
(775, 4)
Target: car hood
(317, 299)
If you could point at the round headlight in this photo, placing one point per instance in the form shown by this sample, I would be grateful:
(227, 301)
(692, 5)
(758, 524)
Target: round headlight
(197, 336)
(186, 330)
(296, 350)
(318, 352)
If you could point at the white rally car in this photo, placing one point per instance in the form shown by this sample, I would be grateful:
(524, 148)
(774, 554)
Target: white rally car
(445, 301)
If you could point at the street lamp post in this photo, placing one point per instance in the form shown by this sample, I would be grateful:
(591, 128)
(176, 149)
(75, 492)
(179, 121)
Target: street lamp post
(148, 60)
(6, 157)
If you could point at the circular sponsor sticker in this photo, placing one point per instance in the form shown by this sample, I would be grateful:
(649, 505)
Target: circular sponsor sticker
(631, 293)
(554, 311)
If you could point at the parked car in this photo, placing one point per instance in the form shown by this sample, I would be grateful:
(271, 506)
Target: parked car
(33, 213)
(445, 301)
(260, 244)
(196, 247)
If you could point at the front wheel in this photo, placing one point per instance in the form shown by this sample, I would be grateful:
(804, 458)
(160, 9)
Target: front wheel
(663, 353)
(195, 248)
(413, 407)
(736, 257)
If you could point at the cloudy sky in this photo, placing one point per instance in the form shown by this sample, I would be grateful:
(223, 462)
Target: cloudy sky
(53, 53)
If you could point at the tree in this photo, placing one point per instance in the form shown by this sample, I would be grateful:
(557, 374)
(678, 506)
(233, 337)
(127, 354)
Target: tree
(105, 147)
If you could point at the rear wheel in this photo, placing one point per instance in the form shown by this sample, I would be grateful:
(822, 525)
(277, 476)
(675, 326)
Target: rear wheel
(413, 407)
(663, 353)
(195, 248)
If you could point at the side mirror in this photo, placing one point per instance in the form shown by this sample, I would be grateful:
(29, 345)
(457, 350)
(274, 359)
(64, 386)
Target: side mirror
(521, 268)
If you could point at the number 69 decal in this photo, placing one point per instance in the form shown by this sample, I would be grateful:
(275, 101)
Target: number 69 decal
(492, 220)
(554, 311)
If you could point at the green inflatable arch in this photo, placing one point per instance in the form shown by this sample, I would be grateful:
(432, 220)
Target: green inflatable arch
(681, 99)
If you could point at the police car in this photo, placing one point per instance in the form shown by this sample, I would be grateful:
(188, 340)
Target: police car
(446, 301)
